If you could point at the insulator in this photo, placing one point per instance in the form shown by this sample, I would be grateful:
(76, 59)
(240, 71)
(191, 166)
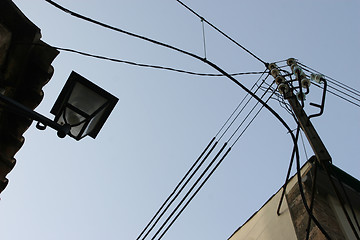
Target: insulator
(279, 80)
(301, 96)
(317, 78)
(294, 67)
(283, 88)
(291, 61)
(305, 82)
(275, 72)
(272, 66)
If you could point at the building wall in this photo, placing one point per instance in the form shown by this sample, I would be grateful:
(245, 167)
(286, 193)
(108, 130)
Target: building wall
(266, 224)
(293, 221)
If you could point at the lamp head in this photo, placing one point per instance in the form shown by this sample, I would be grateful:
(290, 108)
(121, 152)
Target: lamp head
(83, 106)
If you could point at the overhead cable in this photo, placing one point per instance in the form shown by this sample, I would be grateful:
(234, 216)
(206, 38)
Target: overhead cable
(191, 189)
(211, 64)
(168, 202)
(204, 181)
(251, 121)
(177, 190)
(332, 79)
(224, 34)
(236, 109)
(151, 66)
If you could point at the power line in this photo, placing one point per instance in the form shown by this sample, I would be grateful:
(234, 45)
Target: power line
(333, 80)
(227, 121)
(252, 120)
(339, 96)
(347, 93)
(191, 189)
(158, 215)
(206, 178)
(224, 34)
(164, 207)
(147, 65)
(211, 64)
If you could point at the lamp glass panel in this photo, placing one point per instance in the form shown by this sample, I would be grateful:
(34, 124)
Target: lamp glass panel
(72, 118)
(75, 131)
(94, 121)
(85, 99)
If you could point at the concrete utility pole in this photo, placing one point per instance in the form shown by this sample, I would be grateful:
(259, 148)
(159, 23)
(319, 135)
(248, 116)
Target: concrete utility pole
(287, 90)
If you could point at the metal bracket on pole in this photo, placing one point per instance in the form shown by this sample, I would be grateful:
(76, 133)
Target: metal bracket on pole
(316, 143)
(17, 108)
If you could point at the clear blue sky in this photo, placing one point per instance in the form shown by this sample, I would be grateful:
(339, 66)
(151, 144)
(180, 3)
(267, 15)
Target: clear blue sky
(110, 187)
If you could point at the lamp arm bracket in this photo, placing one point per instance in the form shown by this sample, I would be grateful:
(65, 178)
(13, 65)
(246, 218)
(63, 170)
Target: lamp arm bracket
(21, 110)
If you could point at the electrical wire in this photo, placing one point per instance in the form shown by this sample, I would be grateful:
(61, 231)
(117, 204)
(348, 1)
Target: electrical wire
(312, 200)
(177, 192)
(288, 172)
(148, 65)
(197, 190)
(251, 121)
(159, 214)
(209, 175)
(238, 106)
(189, 191)
(337, 95)
(246, 117)
(224, 34)
(349, 94)
(330, 79)
(211, 64)
(202, 175)
(238, 114)
(327, 168)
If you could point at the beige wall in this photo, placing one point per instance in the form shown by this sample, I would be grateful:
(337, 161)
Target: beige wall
(266, 224)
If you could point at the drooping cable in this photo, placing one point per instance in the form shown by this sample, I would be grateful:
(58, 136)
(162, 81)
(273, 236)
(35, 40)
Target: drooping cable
(348, 201)
(330, 173)
(211, 64)
(312, 200)
(148, 65)
(224, 34)
(288, 172)
(302, 194)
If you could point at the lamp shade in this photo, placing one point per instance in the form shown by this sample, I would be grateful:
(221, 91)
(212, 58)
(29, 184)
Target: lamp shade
(83, 106)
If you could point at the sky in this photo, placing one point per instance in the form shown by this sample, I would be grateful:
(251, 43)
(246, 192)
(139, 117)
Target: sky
(110, 187)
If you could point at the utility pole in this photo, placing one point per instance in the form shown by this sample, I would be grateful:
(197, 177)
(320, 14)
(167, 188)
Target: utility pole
(287, 90)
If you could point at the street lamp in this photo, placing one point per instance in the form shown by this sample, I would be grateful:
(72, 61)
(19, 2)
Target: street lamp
(80, 110)
(83, 106)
